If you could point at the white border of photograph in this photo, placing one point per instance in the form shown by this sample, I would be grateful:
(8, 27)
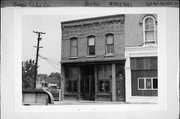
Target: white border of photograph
(168, 64)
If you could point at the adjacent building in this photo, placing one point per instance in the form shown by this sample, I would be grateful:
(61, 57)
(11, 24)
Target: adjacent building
(110, 58)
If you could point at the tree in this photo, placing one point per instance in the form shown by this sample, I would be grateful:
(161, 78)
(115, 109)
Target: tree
(28, 70)
(55, 74)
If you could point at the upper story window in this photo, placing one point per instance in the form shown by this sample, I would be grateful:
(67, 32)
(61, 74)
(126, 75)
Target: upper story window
(149, 30)
(73, 47)
(91, 45)
(109, 43)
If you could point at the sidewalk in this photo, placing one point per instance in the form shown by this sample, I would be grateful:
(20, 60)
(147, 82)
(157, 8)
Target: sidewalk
(86, 102)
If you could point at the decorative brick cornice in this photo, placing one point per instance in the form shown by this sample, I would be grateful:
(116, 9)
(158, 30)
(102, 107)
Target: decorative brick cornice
(93, 24)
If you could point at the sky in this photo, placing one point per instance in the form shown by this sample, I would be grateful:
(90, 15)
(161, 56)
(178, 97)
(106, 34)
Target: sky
(50, 54)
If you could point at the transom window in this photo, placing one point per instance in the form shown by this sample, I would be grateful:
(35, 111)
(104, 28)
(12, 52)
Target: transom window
(109, 43)
(73, 47)
(148, 83)
(149, 27)
(91, 45)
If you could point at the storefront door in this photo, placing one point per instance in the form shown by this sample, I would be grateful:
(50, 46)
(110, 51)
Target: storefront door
(120, 88)
(88, 83)
(120, 82)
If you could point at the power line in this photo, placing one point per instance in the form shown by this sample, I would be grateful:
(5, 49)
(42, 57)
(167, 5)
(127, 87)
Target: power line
(45, 58)
(52, 65)
(50, 62)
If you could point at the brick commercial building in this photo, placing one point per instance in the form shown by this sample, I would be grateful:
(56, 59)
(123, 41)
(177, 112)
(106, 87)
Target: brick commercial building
(110, 58)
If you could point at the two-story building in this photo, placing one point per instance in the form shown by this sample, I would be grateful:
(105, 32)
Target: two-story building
(112, 58)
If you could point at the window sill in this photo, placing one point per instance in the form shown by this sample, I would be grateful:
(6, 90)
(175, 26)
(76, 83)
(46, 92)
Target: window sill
(109, 55)
(73, 57)
(91, 56)
(152, 42)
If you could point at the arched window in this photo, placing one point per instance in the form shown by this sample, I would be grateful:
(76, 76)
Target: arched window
(109, 43)
(91, 45)
(73, 47)
(149, 30)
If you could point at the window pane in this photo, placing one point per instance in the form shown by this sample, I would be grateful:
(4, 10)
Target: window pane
(73, 42)
(109, 39)
(107, 71)
(104, 71)
(149, 35)
(73, 47)
(101, 72)
(110, 48)
(91, 50)
(155, 83)
(148, 83)
(91, 41)
(149, 24)
(73, 51)
(72, 73)
(141, 83)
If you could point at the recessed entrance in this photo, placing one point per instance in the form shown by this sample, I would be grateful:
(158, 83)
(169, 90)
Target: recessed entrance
(87, 85)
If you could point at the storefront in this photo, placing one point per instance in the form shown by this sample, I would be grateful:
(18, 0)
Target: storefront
(94, 81)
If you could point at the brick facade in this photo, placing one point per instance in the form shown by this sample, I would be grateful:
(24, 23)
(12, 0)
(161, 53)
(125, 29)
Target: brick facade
(98, 27)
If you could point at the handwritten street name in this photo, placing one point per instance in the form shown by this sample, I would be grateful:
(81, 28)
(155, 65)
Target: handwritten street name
(31, 4)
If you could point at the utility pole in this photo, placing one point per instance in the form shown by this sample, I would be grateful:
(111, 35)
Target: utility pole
(37, 54)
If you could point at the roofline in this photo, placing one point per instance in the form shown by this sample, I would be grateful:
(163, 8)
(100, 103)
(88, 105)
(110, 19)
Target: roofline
(93, 18)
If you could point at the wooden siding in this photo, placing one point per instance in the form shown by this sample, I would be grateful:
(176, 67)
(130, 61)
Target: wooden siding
(143, 67)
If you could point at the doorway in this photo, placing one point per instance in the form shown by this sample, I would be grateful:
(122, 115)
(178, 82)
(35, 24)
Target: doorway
(87, 82)
(120, 82)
